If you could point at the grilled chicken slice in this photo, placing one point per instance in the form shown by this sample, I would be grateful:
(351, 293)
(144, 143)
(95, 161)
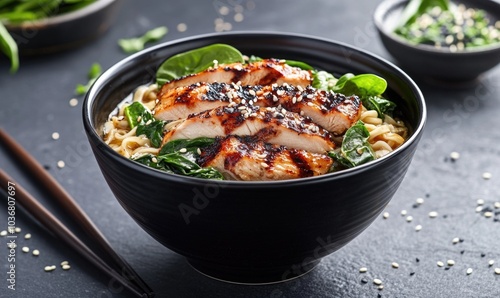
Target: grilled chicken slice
(271, 125)
(264, 72)
(332, 111)
(244, 158)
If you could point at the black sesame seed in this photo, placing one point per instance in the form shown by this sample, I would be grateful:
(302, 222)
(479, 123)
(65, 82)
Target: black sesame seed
(379, 295)
(483, 255)
(427, 195)
(415, 205)
(47, 167)
(364, 280)
(445, 216)
(417, 259)
(461, 240)
(462, 252)
(447, 268)
(412, 273)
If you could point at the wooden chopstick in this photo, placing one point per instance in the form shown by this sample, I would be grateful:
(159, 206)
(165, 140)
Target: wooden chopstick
(71, 206)
(59, 229)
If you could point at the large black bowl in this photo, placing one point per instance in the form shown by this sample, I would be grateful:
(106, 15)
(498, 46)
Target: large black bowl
(428, 62)
(253, 232)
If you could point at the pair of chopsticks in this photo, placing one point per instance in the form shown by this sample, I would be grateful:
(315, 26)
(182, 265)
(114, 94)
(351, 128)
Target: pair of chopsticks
(119, 269)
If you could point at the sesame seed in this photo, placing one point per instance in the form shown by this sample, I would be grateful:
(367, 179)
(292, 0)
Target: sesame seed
(381, 287)
(17, 230)
(440, 264)
(479, 209)
(377, 281)
(264, 165)
(275, 99)
(181, 27)
(497, 205)
(480, 202)
(50, 268)
(294, 100)
(433, 214)
(183, 150)
(300, 88)
(27, 236)
(486, 175)
(139, 118)
(224, 10)
(60, 164)
(238, 17)
(420, 201)
(385, 215)
(469, 271)
(403, 212)
(3, 233)
(55, 136)
(36, 252)
(73, 102)
(280, 92)
(395, 265)
(450, 262)
(409, 218)
(64, 263)
(66, 267)
(25, 249)
(418, 228)
(497, 271)
(252, 92)
(455, 240)
(449, 39)
(363, 270)
(198, 150)
(488, 214)
(491, 262)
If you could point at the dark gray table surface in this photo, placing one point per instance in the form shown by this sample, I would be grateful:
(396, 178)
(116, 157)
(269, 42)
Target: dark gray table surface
(34, 103)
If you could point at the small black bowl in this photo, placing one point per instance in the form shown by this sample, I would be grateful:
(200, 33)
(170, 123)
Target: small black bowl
(439, 65)
(253, 232)
(64, 31)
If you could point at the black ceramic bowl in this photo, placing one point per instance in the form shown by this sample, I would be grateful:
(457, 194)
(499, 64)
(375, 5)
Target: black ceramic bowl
(429, 62)
(64, 31)
(253, 232)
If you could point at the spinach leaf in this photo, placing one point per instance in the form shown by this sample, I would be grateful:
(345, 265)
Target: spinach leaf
(299, 64)
(355, 149)
(196, 60)
(132, 45)
(379, 104)
(9, 47)
(94, 72)
(138, 115)
(415, 8)
(172, 160)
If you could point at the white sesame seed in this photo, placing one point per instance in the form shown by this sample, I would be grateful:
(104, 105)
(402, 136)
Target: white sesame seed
(66, 267)
(385, 215)
(25, 249)
(420, 201)
(491, 262)
(280, 92)
(440, 264)
(486, 175)
(300, 88)
(310, 96)
(60, 164)
(27, 236)
(264, 165)
(488, 214)
(469, 271)
(64, 263)
(198, 150)
(50, 268)
(3, 233)
(497, 271)
(238, 17)
(480, 202)
(55, 136)
(433, 214)
(181, 27)
(409, 218)
(418, 228)
(36, 252)
(363, 270)
(455, 240)
(497, 205)
(377, 281)
(17, 230)
(403, 212)
(450, 262)
(224, 10)
(479, 209)
(183, 150)
(381, 287)
(395, 265)
(275, 99)
(73, 102)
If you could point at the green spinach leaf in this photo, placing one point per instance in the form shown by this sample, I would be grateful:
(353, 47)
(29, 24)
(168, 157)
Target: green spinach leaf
(355, 149)
(379, 104)
(299, 64)
(132, 45)
(138, 115)
(415, 8)
(191, 145)
(195, 61)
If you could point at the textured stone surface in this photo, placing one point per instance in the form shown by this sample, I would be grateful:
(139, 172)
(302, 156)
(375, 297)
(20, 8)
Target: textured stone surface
(35, 103)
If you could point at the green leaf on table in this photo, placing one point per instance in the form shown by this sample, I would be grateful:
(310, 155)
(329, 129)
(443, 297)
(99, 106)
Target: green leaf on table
(94, 72)
(9, 47)
(195, 61)
(132, 45)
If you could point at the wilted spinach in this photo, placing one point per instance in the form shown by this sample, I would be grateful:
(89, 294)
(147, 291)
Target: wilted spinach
(138, 115)
(355, 149)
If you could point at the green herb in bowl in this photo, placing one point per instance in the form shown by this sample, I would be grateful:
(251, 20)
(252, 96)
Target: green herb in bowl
(444, 25)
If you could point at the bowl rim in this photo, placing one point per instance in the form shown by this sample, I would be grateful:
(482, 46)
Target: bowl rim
(108, 75)
(387, 5)
(62, 18)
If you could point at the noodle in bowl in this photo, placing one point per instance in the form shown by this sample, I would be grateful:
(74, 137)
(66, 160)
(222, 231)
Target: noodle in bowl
(243, 231)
